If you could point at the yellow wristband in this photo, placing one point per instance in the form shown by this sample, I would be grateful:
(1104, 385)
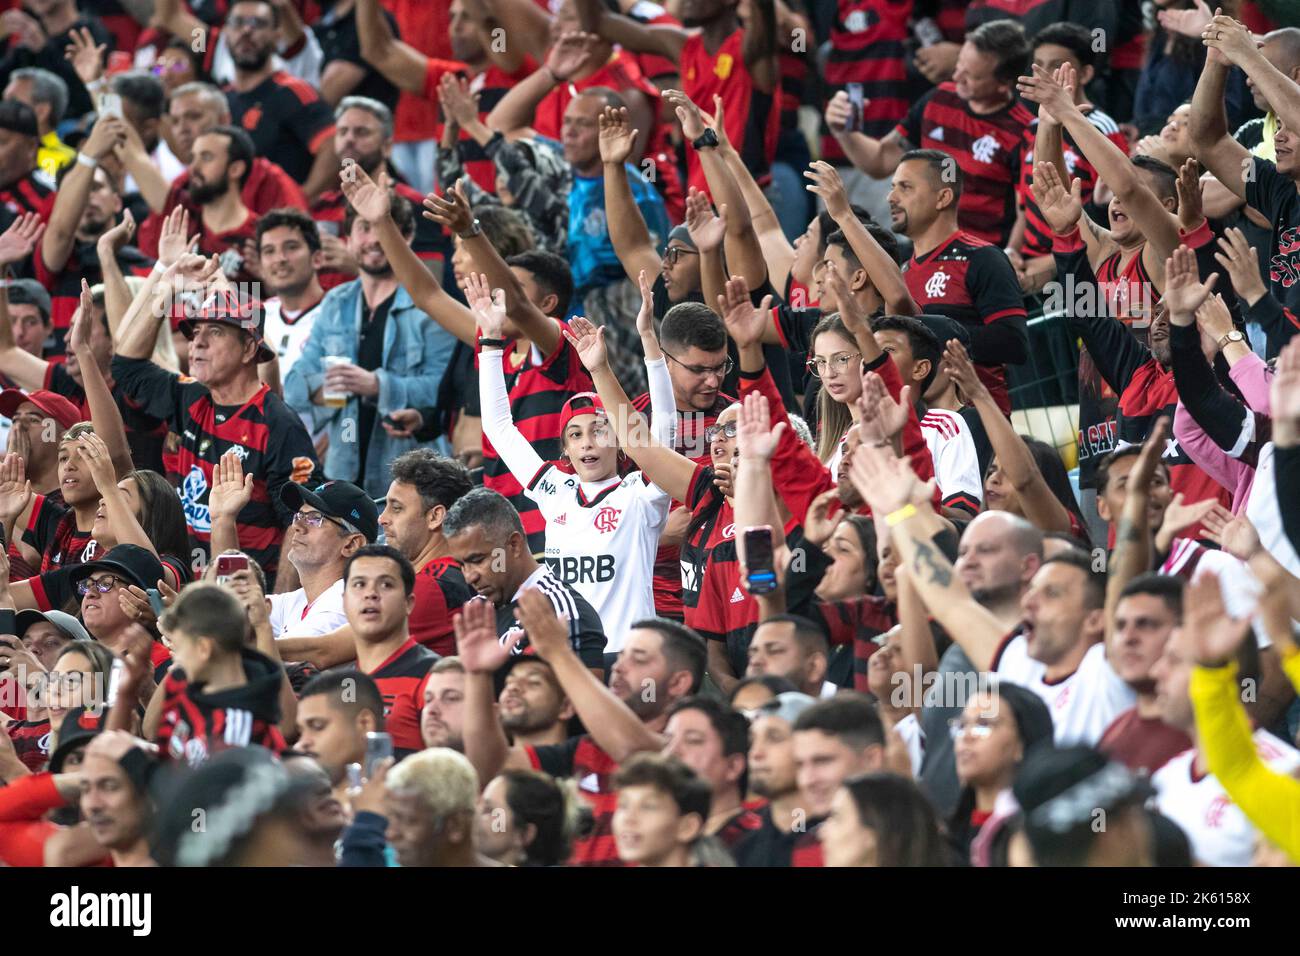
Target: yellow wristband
(902, 514)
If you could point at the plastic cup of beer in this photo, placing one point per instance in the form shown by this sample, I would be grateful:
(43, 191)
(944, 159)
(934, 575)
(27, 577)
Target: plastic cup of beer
(329, 398)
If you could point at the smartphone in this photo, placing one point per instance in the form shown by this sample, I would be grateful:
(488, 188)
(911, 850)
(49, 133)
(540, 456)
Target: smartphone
(856, 101)
(114, 681)
(110, 104)
(354, 778)
(156, 602)
(379, 747)
(228, 564)
(759, 566)
(327, 227)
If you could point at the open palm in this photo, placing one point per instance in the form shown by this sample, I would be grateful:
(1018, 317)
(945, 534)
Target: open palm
(1061, 208)
(589, 342)
(368, 198)
(477, 644)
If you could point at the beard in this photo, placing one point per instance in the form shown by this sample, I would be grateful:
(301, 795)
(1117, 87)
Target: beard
(372, 163)
(527, 721)
(206, 192)
(378, 272)
(251, 60)
(996, 594)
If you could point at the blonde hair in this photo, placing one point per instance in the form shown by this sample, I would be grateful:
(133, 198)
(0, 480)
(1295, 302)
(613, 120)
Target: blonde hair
(443, 778)
(833, 418)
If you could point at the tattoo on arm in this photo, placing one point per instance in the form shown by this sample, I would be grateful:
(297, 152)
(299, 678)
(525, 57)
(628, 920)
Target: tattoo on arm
(935, 569)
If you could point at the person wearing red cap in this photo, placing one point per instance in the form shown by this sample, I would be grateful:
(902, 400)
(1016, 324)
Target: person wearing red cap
(602, 528)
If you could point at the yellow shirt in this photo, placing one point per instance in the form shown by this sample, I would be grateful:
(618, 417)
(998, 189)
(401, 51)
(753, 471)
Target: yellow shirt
(1266, 149)
(1269, 799)
(54, 154)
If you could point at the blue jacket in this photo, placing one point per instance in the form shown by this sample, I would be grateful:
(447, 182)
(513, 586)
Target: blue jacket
(416, 353)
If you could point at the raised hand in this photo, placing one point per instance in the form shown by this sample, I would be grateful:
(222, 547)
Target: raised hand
(488, 304)
(105, 135)
(1188, 184)
(79, 331)
(15, 489)
(1189, 23)
(719, 124)
(645, 317)
(1048, 90)
(1184, 290)
(1214, 635)
(370, 199)
(589, 342)
(457, 101)
(18, 241)
(617, 138)
(818, 526)
(99, 461)
(1241, 261)
(756, 438)
(957, 363)
(688, 113)
(451, 209)
(114, 239)
(839, 112)
(883, 419)
(1284, 396)
(175, 239)
(1061, 208)
(547, 633)
(1233, 533)
(827, 184)
(232, 490)
(885, 481)
(1230, 38)
(1179, 516)
(86, 56)
(570, 54)
(1214, 318)
(707, 230)
(477, 644)
(744, 322)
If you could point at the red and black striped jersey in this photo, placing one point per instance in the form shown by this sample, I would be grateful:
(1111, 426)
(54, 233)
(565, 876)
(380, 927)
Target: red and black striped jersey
(745, 822)
(401, 679)
(440, 590)
(858, 621)
(431, 243)
(989, 148)
(52, 530)
(869, 46)
(491, 86)
(264, 432)
(971, 281)
(582, 759)
(197, 723)
(31, 742)
(752, 117)
(771, 846)
(230, 246)
(795, 71)
(145, 435)
(32, 193)
(689, 442)
(287, 119)
(1038, 234)
(64, 286)
(538, 390)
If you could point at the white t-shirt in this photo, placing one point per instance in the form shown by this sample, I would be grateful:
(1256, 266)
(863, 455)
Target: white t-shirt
(1082, 705)
(1219, 832)
(956, 465)
(292, 616)
(286, 333)
(909, 728)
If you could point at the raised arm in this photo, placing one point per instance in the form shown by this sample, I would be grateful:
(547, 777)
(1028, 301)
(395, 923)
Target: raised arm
(74, 192)
(570, 54)
(1234, 41)
(666, 468)
(758, 49)
(372, 202)
(453, 211)
(891, 488)
(627, 229)
(886, 278)
(1132, 555)
(110, 430)
(754, 497)
(398, 62)
(174, 17)
(630, 34)
(878, 158)
(1062, 207)
(526, 25)
(1041, 507)
(1212, 144)
(16, 243)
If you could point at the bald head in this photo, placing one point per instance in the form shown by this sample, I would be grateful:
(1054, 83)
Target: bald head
(998, 555)
(1282, 49)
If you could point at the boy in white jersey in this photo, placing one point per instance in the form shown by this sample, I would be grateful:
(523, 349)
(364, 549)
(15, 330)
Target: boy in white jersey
(602, 528)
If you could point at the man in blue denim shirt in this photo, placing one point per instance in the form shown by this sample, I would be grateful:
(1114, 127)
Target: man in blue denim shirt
(384, 355)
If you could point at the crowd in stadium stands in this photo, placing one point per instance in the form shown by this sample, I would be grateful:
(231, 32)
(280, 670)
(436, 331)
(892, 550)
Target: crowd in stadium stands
(761, 433)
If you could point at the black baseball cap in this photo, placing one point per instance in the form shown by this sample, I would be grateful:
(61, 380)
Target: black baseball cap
(226, 308)
(340, 500)
(78, 729)
(946, 329)
(138, 565)
(18, 117)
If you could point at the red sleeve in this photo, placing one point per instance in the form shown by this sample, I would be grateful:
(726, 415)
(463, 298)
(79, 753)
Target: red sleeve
(29, 798)
(914, 446)
(430, 621)
(433, 72)
(403, 721)
(798, 475)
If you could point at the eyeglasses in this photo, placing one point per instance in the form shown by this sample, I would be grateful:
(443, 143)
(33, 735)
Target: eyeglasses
(713, 431)
(314, 519)
(673, 253)
(838, 363)
(982, 728)
(251, 23)
(703, 371)
(159, 69)
(102, 585)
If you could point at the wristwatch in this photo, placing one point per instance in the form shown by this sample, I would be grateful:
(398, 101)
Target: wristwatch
(1233, 336)
(706, 140)
(474, 230)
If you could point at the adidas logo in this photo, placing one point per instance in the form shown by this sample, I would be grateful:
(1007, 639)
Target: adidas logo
(737, 596)
(562, 519)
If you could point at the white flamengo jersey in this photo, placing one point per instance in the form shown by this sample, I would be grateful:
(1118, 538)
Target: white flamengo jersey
(1219, 832)
(601, 537)
(286, 334)
(956, 465)
(1083, 704)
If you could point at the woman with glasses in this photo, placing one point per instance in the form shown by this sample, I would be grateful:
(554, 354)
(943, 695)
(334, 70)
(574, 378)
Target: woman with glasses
(837, 364)
(998, 727)
(602, 527)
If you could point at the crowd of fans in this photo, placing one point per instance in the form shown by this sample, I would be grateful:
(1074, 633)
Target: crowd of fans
(587, 432)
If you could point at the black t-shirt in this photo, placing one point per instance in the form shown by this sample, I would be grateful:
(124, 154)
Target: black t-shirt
(287, 120)
(145, 435)
(339, 40)
(586, 633)
(1275, 196)
(370, 356)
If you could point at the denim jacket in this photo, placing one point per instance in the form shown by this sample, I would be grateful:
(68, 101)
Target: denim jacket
(416, 353)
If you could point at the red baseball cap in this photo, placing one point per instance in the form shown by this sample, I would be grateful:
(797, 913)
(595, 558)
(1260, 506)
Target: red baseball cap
(584, 403)
(51, 403)
(226, 308)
